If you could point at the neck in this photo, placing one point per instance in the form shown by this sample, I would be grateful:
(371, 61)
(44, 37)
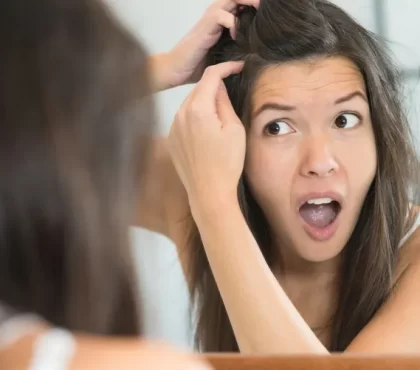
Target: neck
(292, 265)
(307, 278)
(312, 287)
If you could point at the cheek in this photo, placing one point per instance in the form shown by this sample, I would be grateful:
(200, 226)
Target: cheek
(360, 162)
(269, 171)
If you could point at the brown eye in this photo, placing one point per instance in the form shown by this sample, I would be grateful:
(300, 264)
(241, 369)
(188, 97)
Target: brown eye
(278, 128)
(273, 128)
(347, 120)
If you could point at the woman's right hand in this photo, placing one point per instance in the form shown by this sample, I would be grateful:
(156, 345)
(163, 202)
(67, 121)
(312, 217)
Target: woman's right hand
(185, 63)
(207, 141)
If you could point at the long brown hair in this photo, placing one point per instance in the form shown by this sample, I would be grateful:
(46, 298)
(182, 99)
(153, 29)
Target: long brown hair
(282, 31)
(74, 130)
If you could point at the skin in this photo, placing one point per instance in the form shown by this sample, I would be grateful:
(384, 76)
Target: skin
(105, 354)
(185, 62)
(314, 154)
(310, 154)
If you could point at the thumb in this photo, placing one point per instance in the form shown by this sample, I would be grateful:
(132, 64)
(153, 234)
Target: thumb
(224, 107)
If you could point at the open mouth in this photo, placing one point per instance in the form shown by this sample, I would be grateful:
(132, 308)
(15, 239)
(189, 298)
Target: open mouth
(320, 212)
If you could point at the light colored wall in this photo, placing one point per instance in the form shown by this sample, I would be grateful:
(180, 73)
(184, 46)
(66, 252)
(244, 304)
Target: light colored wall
(403, 35)
(160, 23)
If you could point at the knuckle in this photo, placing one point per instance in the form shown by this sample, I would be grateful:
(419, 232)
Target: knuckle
(219, 15)
(211, 71)
(226, 19)
(207, 71)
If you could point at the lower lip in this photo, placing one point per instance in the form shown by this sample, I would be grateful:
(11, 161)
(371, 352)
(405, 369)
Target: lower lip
(321, 234)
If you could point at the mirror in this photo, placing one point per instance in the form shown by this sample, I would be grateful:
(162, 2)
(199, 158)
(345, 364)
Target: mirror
(162, 23)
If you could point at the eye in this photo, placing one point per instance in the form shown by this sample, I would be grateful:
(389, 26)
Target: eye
(277, 128)
(347, 120)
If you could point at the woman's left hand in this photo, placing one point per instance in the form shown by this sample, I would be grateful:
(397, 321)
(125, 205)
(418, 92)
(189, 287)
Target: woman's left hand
(207, 142)
(187, 58)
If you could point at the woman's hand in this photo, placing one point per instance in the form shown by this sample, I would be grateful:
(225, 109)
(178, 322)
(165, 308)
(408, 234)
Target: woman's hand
(185, 63)
(207, 142)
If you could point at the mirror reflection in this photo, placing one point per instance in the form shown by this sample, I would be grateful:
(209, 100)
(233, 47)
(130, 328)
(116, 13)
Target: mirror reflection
(327, 163)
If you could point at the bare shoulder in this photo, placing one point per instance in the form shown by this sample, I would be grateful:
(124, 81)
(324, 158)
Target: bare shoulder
(105, 353)
(129, 353)
(409, 252)
(395, 328)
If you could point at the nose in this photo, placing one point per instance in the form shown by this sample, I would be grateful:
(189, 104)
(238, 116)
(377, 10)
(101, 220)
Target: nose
(318, 158)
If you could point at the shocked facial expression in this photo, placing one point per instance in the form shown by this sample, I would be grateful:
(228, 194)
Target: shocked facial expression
(311, 155)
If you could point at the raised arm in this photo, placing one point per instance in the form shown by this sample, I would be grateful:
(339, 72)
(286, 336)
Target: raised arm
(207, 144)
(185, 63)
(162, 202)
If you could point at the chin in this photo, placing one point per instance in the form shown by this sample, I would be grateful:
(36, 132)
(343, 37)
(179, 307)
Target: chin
(314, 251)
(318, 252)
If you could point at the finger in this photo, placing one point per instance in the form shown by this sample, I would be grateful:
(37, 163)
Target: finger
(225, 111)
(231, 5)
(225, 19)
(217, 19)
(233, 33)
(210, 83)
(224, 14)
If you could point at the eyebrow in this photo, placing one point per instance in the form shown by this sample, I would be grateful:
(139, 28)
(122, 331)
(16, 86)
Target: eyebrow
(273, 106)
(289, 108)
(351, 96)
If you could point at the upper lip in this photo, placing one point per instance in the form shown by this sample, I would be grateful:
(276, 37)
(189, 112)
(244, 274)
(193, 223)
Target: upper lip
(317, 195)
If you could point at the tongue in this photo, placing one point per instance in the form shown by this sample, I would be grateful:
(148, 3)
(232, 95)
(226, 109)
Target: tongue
(319, 216)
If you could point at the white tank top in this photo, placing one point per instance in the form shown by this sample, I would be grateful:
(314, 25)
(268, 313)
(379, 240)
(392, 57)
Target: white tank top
(53, 350)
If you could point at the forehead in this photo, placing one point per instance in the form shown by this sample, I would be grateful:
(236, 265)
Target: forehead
(301, 82)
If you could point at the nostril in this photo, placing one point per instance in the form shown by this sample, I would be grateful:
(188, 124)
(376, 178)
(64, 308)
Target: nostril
(321, 173)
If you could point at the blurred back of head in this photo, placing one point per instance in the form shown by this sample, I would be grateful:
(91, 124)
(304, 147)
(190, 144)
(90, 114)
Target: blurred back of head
(74, 128)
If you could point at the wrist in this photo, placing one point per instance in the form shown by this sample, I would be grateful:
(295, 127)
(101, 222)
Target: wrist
(162, 72)
(207, 207)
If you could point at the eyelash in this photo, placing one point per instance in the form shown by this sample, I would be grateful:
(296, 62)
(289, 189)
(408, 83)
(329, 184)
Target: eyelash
(359, 117)
(279, 121)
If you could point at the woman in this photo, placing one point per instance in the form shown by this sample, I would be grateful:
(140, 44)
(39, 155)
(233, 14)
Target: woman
(308, 241)
(74, 138)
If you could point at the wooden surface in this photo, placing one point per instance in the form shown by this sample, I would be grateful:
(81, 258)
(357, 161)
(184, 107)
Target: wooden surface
(335, 362)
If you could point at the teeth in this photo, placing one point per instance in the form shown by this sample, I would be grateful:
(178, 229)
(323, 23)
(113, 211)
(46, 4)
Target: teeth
(319, 201)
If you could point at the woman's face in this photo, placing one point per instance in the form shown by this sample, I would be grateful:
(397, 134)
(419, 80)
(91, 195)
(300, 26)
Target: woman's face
(311, 154)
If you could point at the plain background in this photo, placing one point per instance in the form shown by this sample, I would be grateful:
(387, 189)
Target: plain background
(160, 24)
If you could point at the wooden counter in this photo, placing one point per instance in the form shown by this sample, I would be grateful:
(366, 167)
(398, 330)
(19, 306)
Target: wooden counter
(334, 362)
